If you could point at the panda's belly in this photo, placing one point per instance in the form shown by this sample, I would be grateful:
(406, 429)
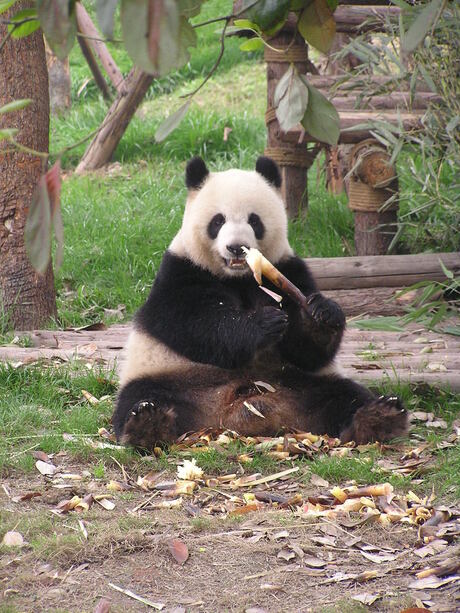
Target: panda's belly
(146, 356)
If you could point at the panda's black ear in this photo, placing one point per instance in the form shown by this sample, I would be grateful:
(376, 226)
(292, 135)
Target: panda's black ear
(195, 173)
(269, 170)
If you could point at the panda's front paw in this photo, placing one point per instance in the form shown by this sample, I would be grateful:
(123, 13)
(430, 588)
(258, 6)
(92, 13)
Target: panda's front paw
(273, 323)
(324, 311)
(149, 424)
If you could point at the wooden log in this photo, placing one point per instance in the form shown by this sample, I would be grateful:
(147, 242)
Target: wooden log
(94, 67)
(355, 19)
(369, 18)
(369, 301)
(93, 38)
(345, 82)
(391, 101)
(293, 174)
(102, 147)
(381, 270)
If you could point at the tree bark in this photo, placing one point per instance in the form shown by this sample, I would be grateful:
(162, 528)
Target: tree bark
(102, 147)
(27, 299)
(59, 82)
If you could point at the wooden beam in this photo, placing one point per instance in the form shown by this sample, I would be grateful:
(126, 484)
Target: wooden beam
(94, 67)
(93, 38)
(347, 82)
(381, 270)
(356, 100)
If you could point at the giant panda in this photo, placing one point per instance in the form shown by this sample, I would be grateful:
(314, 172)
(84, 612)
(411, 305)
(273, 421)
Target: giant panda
(208, 342)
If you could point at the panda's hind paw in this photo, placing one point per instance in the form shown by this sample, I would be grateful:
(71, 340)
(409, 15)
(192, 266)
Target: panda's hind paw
(149, 424)
(380, 420)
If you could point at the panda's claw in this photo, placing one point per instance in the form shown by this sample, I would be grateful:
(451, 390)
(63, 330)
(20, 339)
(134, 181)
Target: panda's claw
(149, 424)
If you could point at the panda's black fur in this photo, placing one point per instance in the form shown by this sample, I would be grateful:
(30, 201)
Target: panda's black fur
(226, 344)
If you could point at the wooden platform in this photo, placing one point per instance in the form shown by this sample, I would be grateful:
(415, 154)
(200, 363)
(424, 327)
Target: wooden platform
(414, 355)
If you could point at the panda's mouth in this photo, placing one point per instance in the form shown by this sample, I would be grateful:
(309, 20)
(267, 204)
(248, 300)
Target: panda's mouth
(236, 263)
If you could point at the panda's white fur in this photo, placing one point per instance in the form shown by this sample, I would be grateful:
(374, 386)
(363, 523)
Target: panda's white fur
(235, 194)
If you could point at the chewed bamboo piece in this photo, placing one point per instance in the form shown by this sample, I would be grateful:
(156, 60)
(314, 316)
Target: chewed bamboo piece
(259, 265)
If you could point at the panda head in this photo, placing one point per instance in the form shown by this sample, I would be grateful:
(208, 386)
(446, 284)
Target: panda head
(226, 211)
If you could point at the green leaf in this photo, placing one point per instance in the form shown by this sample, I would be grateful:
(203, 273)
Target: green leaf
(59, 25)
(321, 119)
(16, 105)
(454, 330)
(158, 42)
(388, 324)
(106, 15)
(449, 274)
(317, 25)
(422, 24)
(290, 99)
(37, 233)
(333, 4)
(6, 4)
(190, 8)
(245, 24)
(8, 133)
(171, 122)
(253, 44)
(24, 29)
(267, 13)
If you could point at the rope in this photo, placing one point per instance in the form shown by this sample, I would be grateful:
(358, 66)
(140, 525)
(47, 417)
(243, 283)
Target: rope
(366, 199)
(301, 158)
(296, 53)
(270, 115)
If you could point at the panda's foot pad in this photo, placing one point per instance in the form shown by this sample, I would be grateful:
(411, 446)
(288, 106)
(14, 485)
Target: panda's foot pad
(148, 424)
(380, 420)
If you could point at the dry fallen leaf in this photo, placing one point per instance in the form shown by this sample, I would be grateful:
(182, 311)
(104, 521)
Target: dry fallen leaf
(285, 554)
(318, 481)
(103, 606)
(366, 598)
(24, 497)
(45, 468)
(13, 539)
(178, 550)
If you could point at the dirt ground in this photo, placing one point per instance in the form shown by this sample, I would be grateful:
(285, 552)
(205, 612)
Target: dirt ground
(265, 560)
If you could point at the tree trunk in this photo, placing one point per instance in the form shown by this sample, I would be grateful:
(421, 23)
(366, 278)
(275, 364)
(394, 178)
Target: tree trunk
(27, 299)
(102, 147)
(59, 82)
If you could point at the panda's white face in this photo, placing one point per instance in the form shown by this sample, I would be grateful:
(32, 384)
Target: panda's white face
(231, 210)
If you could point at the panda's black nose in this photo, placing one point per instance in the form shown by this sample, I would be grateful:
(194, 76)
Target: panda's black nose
(236, 250)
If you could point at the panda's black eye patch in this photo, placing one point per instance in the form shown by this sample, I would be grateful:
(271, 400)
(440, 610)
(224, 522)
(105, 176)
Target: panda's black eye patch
(215, 225)
(256, 224)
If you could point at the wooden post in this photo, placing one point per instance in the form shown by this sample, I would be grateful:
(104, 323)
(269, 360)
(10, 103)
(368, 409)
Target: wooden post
(373, 184)
(92, 37)
(102, 147)
(93, 65)
(293, 159)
